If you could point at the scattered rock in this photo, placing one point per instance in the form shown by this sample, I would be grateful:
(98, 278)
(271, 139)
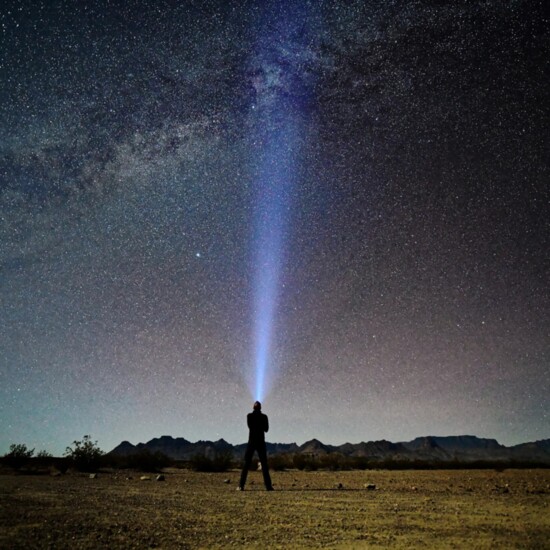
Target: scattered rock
(160, 477)
(370, 486)
(93, 476)
(145, 478)
(227, 481)
(339, 486)
(414, 488)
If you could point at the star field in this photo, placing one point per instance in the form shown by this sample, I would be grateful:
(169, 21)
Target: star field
(413, 286)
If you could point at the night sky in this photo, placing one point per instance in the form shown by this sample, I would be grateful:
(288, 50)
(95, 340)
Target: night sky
(382, 166)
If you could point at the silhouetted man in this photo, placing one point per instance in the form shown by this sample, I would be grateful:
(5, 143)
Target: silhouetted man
(258, 425)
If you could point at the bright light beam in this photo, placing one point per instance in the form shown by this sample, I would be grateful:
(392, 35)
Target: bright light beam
(273, 210)
(276, 112)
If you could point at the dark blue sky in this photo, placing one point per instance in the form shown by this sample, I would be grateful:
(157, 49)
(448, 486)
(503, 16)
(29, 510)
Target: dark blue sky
(413, 286)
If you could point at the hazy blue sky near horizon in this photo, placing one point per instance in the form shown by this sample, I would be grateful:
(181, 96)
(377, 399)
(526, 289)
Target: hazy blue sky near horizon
(412, 291)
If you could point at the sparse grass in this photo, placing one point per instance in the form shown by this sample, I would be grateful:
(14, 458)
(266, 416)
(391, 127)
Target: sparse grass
(408, 509)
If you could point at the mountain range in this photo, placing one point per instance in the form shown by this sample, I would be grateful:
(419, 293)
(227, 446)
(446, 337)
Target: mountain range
(429, 449)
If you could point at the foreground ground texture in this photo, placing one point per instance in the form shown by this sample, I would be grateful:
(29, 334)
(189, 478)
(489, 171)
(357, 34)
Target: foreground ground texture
(442, 509)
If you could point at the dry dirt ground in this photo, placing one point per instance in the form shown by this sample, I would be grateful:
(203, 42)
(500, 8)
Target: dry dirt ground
(411, 509)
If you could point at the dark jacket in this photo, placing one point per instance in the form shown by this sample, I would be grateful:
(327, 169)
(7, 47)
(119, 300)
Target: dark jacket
(258, 425)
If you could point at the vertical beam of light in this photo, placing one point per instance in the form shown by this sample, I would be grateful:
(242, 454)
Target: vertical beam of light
(272, 218)
(276, 114)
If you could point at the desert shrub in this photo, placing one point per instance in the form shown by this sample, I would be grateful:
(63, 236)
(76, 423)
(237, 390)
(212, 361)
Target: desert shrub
(147, 461)
(360, 463)
(86, 455)
(280, 462)
(18, 455)
(200, 463)
(223, 461)
(144, 460)
(44, 454)
(305, 462)
(220, 462)
(41, 463)
(333, 462)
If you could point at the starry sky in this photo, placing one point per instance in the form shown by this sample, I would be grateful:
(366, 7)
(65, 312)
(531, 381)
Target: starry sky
(396, 152)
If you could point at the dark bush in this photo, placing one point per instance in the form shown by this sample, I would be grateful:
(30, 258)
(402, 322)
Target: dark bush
(221, 461)
(144, 460)
(334, 462)
(18, 456)
(280, 462)
(147, 461)
(360, 463)
(305, 462)
(44, 454)
(86, 455)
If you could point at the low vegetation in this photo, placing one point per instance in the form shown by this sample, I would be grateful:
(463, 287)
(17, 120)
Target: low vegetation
(85, 455)
(317, 509)
(220, 461)
(143, 461)
(18, 455)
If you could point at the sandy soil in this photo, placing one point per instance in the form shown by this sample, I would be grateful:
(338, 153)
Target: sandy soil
(440, 509)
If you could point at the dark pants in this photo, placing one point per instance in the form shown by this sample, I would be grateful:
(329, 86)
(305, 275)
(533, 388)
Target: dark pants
(262, 455)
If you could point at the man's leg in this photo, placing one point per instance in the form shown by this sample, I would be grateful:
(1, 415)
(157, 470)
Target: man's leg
(265, 470)
(247, 460)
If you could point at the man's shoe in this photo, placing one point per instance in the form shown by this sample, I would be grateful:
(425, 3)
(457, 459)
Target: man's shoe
(240, 488)
(269, 489)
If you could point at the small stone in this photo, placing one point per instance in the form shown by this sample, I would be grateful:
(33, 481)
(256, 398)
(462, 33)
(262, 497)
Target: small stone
(145, 478)
(160, 477)
(227, 481)
(339, 486)
(93, 476)
(413, 488)
(370, 486)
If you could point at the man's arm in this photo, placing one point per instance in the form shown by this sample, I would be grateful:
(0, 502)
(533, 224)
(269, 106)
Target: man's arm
(266, 424)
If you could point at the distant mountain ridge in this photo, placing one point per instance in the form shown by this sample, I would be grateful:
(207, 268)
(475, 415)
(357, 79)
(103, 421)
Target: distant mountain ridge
(432, 449)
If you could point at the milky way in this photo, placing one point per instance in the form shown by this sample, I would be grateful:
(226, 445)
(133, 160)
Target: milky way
(413, 292)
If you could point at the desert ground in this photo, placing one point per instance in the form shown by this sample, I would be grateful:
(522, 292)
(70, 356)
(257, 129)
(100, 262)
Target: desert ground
(407, 509)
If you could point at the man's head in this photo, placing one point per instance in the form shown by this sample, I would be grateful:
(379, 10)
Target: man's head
(257, 406)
